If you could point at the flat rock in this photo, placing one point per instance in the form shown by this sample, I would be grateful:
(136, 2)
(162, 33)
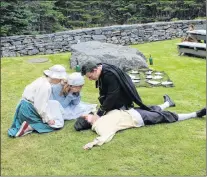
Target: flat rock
(95, 51)
(38, 60)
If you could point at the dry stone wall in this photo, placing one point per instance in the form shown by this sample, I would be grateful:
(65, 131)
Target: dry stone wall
(119, 34)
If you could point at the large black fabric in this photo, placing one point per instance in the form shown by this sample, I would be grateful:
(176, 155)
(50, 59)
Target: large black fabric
(112, 95)
(157, 116)
(116, 89)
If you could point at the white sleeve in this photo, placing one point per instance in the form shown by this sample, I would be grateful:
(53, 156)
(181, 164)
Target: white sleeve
(41, 101)
(103, 139)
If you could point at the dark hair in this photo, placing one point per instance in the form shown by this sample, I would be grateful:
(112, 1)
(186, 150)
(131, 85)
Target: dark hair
(88, 67)
(82, 124)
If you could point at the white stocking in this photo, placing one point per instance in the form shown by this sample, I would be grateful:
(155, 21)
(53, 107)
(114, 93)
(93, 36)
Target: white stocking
(164, 105)
(186, 116)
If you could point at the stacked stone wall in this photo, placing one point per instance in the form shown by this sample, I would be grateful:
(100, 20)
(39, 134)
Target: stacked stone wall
(12, 46)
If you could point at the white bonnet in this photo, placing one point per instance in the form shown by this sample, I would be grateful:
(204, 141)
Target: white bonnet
(76, 79)
(56, 72)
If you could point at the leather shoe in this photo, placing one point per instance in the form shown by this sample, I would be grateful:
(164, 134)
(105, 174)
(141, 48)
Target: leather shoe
(201, 112)
(168, 99)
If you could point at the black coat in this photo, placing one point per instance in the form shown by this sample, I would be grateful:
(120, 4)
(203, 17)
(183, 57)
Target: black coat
(116, 89)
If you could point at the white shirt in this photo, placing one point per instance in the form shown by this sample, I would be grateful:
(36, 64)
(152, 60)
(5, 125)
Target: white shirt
(38, 92)
(113, 121)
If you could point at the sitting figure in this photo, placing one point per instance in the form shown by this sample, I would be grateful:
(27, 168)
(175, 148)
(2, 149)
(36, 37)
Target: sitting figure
(189, 37)
(34, 112)
(68, 95)
(116, 120)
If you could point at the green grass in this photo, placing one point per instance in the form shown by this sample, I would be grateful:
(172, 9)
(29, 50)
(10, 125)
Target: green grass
(169, 149)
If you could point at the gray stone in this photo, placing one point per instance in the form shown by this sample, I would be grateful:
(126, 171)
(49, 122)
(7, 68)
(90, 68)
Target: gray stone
(99, 37)
(33, 52)
(23, 52)
(88, 32)
(59, 39)
(98, 31)
(16, 43)
(86, 36)
(5, 44)
(49, 46)
(57, 45)
(118, 55)
(8, 54)
(38, 60)
(135, 31)
(11, 47)
(141, 32)
(29, 47)
(5, 53)
(107, 32)
(26, 41)
(88, 39)
(123, 34)
(49, 51)
(77, 37)
(20, 47)
(116, 33)
(41, 49)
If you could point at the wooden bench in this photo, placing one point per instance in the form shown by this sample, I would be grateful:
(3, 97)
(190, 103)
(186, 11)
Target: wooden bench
(198, 34)
(198, 49)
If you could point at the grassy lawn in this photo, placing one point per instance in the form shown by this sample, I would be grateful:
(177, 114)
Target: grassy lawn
(176, 149)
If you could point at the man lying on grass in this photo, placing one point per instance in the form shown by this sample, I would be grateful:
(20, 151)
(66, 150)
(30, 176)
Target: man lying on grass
(115, 120)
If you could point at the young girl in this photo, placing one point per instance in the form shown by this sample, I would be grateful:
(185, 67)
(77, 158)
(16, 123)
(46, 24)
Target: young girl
(68, 94)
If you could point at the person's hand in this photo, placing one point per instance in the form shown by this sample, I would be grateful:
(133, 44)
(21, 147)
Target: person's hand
(88, 146)
(101, 112)
(51, 122)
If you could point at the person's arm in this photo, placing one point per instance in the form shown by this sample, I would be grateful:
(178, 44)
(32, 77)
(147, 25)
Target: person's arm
(113, 92)
(99, 141)
(76, 99)
(68, 100)
(41, 101)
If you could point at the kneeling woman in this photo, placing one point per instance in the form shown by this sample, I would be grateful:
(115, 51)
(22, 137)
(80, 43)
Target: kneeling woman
(35, 110)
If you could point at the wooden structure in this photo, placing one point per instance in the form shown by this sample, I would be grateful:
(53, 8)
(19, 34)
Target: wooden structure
(198, 34)
(195, 48)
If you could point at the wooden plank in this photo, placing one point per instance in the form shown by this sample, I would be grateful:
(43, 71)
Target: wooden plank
(198, 34)
(196, 52)
(193, 44)
(201, 32)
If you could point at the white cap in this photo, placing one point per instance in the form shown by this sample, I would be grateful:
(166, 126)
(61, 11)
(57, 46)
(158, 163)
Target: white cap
(56, 72)
(75, 79)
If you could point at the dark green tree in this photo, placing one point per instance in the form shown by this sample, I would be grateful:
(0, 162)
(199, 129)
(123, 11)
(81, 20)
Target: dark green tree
(43, 18)
(14, 19)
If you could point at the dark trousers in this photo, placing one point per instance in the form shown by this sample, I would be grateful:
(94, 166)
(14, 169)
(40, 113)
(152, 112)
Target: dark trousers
(157, 116)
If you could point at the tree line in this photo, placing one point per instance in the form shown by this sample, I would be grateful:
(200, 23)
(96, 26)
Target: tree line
(24, 17)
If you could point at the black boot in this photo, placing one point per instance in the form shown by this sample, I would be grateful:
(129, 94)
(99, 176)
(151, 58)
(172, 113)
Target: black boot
(168, 99)
(201, 112)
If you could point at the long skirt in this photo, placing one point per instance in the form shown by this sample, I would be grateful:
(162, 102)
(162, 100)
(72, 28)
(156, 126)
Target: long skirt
(25, 111)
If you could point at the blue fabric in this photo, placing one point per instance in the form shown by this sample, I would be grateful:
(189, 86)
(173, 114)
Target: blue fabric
(65, 101)
(26, 112)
